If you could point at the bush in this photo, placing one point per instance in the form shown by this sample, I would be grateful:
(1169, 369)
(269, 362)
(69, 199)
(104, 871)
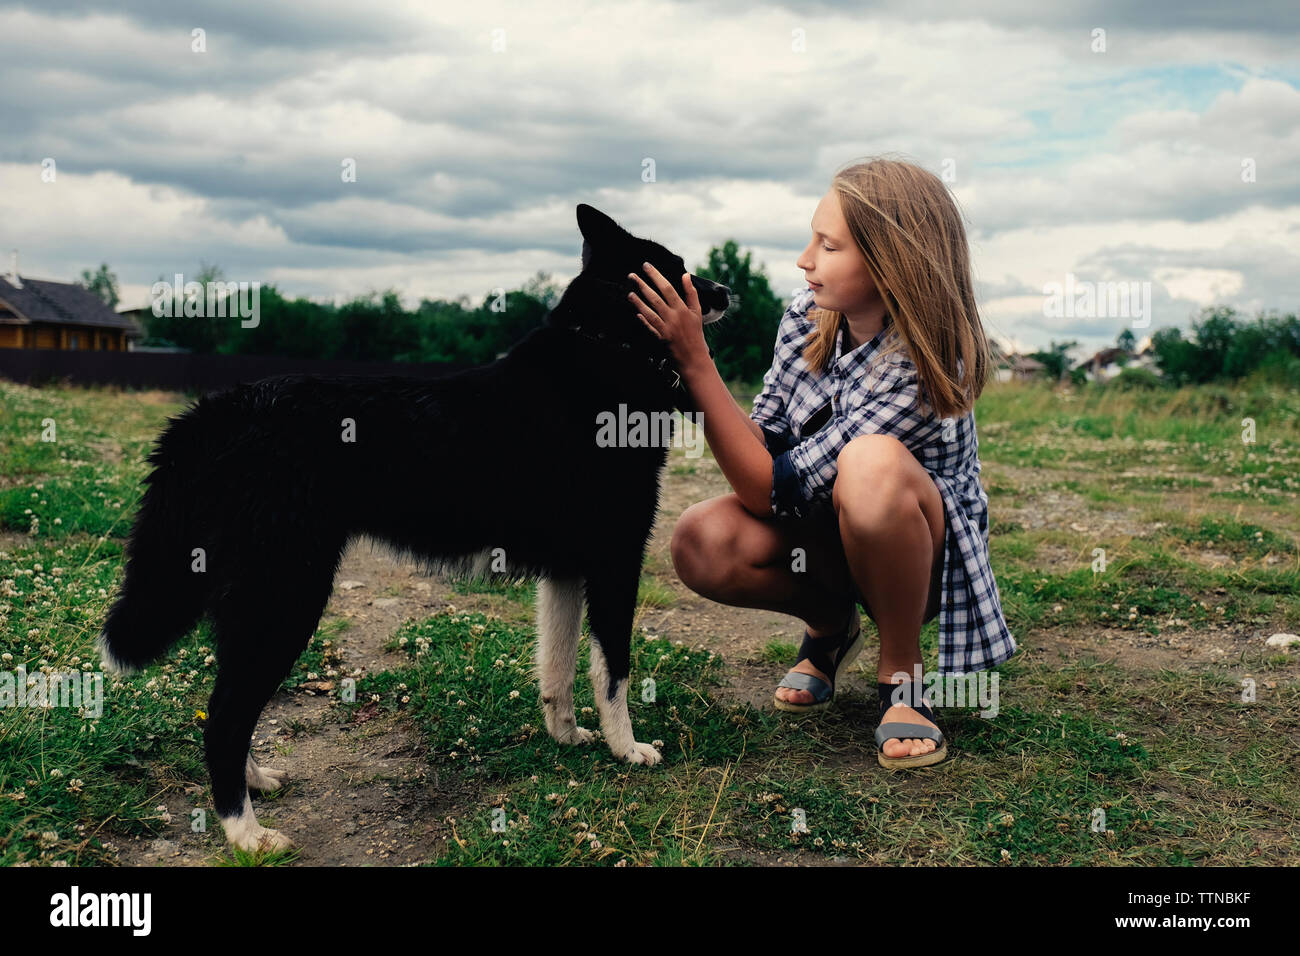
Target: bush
(1136, 378)
(1283, 368)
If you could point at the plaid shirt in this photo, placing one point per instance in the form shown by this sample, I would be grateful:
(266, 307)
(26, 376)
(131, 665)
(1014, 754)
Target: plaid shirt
(807, 418)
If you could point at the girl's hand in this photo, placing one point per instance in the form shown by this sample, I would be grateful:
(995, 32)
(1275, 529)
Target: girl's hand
(678, 323)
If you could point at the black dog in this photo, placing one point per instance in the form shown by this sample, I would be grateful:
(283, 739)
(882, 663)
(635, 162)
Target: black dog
(257, 490)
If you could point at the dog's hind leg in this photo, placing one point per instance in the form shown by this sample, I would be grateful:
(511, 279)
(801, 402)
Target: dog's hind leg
(559, 625)
(243, 687)
(260, 634)
(611, 603)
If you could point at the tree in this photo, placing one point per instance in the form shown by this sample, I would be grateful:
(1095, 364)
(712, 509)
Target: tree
(1214, 334)
(375, 327)
(1056, 363)
(544, 289)
(1125, 340)
(1175, 355)
(103, 283)
(199, 333)
(742, 342)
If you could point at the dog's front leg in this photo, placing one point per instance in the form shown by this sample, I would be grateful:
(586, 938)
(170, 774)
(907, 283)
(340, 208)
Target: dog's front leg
(615, 723)
(559, 624)
(611, 604)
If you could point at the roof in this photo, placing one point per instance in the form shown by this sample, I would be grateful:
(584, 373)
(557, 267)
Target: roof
(1015, 361)
(1106, 356)
(1022, 363)
(61, 303)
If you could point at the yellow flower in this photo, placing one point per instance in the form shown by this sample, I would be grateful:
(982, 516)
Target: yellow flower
(200, 715)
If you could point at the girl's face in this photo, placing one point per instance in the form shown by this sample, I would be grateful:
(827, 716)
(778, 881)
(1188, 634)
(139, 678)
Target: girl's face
(833, 265)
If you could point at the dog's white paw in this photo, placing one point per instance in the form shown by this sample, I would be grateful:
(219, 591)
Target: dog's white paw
(268, 779)
(580, 735)
(243, 831)
(642, 753)
(263, 778)
(262, 838)
(576, 735)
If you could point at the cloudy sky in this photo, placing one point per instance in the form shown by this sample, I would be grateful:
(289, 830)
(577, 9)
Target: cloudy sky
(1170, 156)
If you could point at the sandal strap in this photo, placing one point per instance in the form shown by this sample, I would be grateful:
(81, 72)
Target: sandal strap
(818, 650)
(797, 680)
(913, 697)
(903, 731)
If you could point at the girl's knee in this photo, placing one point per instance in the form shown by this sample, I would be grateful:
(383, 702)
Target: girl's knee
(702, 545)
(690, 545)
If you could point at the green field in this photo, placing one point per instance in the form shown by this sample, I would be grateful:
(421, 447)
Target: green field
(1126, 698)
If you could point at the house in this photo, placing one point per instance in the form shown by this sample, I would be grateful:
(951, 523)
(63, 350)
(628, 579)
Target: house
(1106, 364)
(41, 314)
(1019, 368)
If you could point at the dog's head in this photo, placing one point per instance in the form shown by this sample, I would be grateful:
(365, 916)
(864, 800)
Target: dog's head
(598, 296)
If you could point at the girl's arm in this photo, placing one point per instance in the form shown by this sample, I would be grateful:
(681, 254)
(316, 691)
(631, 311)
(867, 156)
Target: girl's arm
(736, 439)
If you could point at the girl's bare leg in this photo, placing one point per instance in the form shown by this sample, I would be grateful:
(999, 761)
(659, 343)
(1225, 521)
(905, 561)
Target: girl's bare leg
(893, 530)
(796, 567)
(891, 523)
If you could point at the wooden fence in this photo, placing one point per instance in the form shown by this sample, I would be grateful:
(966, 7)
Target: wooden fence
(186, 372)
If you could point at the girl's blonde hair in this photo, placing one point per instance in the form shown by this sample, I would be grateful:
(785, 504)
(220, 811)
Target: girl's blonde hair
(906, 224)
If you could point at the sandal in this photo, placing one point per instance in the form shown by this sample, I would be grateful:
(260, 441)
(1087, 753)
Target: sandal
(828, 654)
(907, 731)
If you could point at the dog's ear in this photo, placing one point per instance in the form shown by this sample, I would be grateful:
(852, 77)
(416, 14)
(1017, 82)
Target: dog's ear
(595, 226)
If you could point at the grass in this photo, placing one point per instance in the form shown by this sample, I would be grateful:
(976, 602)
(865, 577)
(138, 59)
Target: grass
(1114, 516)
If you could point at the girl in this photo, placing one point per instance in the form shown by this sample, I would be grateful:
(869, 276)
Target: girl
(856, 475)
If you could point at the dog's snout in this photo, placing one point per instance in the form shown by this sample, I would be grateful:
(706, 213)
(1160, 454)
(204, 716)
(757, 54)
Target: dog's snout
(715, 298)
(714, 289)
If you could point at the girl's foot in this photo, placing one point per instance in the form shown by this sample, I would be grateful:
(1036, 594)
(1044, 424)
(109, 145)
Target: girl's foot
(805, 666)
(908, 746)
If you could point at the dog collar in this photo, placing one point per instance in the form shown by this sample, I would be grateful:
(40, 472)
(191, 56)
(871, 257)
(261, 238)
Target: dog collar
(662, 367)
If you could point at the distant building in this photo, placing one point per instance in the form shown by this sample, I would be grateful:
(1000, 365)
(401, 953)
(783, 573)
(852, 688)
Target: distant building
(1019, 368)
(1106, 364)
(40, 314)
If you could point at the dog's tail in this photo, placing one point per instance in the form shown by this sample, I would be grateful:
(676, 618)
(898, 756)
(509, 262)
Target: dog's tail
(162, 597)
